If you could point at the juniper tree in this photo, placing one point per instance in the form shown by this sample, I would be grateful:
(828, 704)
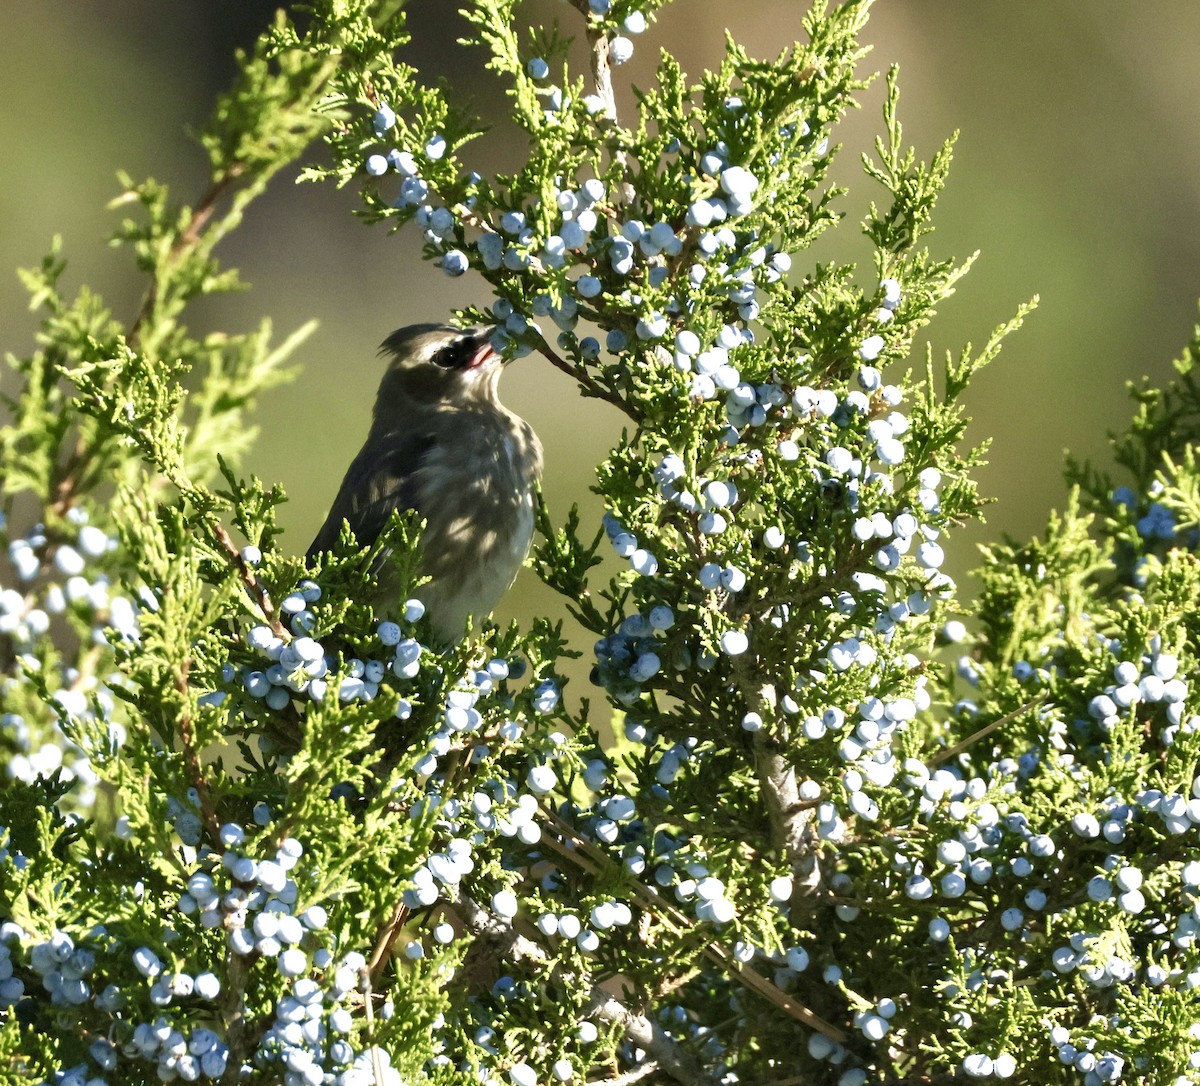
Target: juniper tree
(846, 828)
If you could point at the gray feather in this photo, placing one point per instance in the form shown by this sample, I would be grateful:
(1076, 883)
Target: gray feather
(442, 444)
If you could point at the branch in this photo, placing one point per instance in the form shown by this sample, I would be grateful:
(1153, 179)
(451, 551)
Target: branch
(189, 237)
(645, 1033)
(387, 939)
(602, 74)
(592, 859)
(644, 1070)
(238, 1035)
(983, 733)
(791, 817)
(191, 756)
(590, 386)
(253, 585)
(649, 1036)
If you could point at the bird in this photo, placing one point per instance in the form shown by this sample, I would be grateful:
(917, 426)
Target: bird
(442, 444)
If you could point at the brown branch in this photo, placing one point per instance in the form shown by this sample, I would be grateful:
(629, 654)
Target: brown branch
(592, 859)
(189, 236)
(649, 1036)
(983, 733)
(387, 939)
(253, 585)
(644, 1032)
(640, 1072)
(790, 817)
(369, 1011)
(602, 72)
(191, 756)
(68, 482)
(66, 487)
(390, 932)
(590, 385)
(233, 1006)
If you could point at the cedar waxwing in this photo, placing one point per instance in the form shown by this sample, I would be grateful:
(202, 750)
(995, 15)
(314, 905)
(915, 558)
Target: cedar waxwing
(441, 443)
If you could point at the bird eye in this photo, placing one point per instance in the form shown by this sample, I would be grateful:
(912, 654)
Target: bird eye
(448, 357)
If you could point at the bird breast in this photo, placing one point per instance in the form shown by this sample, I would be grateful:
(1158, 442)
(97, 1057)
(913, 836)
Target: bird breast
(475, 489)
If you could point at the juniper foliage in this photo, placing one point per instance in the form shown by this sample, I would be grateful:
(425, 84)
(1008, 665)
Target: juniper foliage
(850, 828)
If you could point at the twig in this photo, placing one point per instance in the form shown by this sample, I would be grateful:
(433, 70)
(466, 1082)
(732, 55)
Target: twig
(983, 733)
(591, 386)
(253, 585)
(593, 860)
(644, 1070)
(759, 984)
(401, 913)
(66, 486)
(191, 756)
(68, 483)
(189, 236)
(645, 1033)
(387, 939)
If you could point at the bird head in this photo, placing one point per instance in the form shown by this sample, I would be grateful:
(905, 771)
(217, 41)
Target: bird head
(438, 363)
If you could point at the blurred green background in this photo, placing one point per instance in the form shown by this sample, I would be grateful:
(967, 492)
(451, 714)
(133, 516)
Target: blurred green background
(1077, 174)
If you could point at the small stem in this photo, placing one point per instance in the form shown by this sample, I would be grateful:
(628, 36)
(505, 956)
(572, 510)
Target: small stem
(192, 756)
(645, 1070)
(983, 733)
(590, 386)
(387, 939)
(253, 585)
(188, 237)
(647, 1034)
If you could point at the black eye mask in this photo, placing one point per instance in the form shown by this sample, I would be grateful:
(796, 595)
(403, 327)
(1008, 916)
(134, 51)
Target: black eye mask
(464, 353)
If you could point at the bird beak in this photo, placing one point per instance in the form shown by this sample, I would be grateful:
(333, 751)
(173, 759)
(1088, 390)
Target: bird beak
(484, 353)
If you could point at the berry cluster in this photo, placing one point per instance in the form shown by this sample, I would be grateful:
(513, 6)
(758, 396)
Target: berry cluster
(57, 578)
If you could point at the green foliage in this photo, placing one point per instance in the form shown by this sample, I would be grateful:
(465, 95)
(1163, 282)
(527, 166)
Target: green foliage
(256, 828)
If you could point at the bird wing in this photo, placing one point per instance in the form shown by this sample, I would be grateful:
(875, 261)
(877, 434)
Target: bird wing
(382, 479)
